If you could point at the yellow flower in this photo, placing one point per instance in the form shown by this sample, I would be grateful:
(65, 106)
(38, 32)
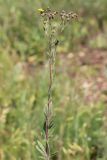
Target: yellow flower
(40, 10)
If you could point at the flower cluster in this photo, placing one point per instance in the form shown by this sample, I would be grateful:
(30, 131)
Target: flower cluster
(67, 16)
(48, 13)
(51, 18)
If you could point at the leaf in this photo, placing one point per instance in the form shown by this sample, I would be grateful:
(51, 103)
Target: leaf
(40, 150)
(51, 124)
(40, 145)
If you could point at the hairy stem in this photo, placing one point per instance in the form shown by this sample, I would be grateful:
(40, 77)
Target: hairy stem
(49, 101)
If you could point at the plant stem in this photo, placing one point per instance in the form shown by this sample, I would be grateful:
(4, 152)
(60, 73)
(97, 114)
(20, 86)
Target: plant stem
(49, 100)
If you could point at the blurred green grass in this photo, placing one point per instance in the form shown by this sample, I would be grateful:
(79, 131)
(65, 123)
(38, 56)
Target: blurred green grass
(80, 129)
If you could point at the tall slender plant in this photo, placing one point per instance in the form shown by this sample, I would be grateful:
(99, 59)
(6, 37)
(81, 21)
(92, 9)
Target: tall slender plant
(54, 23)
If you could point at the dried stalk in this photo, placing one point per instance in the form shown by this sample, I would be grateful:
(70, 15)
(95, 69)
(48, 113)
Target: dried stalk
(48, 115)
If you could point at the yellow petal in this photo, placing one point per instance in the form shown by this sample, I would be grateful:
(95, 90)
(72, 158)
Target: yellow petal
(40, 10)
